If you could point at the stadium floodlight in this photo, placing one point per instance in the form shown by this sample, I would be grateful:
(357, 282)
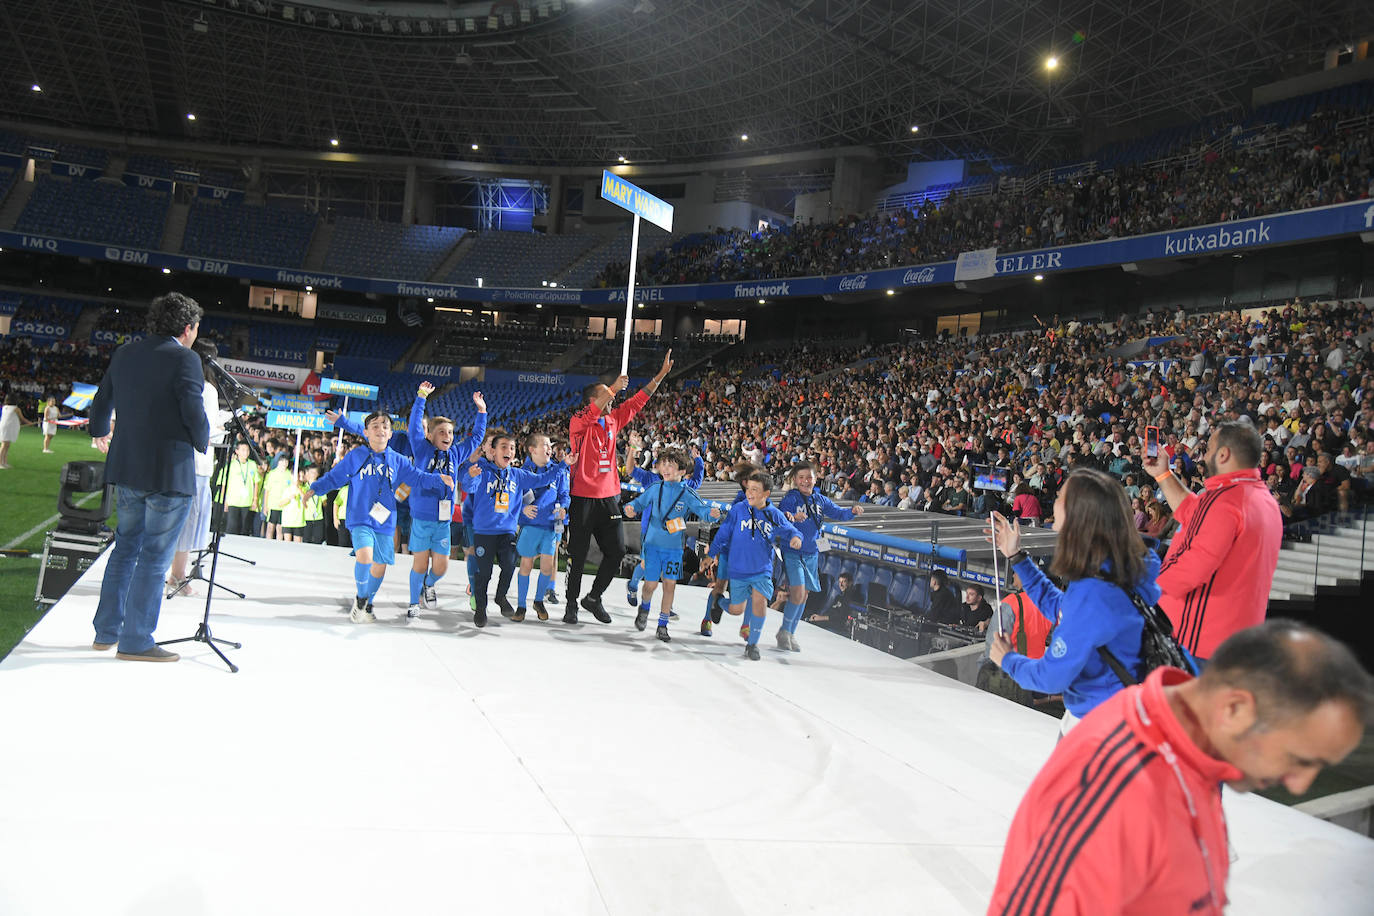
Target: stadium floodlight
(892, 292)
(36, 88)
(333, 141)
(543, 282)
(539, 305)
(744, 138)
(1051, 62)
(553, 284)
(429, 298)
(166, 270)
(763, 302)
(190, 115)
(1039, 277)
(915, 128)
(474, 147)
(309, 288)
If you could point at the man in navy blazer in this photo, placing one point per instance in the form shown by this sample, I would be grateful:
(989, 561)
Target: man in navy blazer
(153, 386)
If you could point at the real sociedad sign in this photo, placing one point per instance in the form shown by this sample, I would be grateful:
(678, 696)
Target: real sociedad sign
(1280, 229)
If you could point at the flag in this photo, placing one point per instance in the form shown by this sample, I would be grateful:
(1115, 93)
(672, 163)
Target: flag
(81, 396)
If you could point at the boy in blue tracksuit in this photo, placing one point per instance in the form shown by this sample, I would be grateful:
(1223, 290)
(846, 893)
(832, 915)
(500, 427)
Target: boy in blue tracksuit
(715, 599)
(496, 488)
(646, 479)
(746, 539)
(431, 509)
(376, 477)
(541, 524)
(663, 507)
(806, 507)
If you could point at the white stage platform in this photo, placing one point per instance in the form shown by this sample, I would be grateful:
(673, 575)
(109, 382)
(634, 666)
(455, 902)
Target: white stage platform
(432, 767)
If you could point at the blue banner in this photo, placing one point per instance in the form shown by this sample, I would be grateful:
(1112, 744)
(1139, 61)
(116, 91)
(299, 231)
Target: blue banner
(340, 388)
(312, 422)
(213, 193)
(278, 354)
(1281, 229)
(73, 170)
(100, 337)
(40, 330)
(433, 370)
(147, 181)
(296, 403)
(81, 396)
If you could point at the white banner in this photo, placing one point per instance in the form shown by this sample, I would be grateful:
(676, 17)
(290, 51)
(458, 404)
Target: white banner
(976, 265)
(291, 378)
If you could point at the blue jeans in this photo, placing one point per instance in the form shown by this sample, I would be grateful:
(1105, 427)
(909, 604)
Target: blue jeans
(131, 593)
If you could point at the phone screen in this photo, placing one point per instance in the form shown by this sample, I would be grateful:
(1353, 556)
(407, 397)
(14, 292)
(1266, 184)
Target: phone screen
(1151, 442)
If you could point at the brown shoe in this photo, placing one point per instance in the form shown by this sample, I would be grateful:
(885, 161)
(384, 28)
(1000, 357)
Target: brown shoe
(154, 654)
(102, 646)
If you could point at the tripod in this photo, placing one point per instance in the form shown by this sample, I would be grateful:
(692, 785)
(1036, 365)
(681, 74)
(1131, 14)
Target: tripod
(195, 575)
(203, 634)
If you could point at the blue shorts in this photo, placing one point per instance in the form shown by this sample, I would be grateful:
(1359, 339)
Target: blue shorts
(460, 535)
(426, 535)
(534, 541)
(802, 569)
(740, 588)
(383, 549)
(722, 568)
(662, 563)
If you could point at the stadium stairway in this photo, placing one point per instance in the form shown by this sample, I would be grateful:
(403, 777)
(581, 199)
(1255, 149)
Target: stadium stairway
(572, 356)
(1338, 559)
(15, 203)
(450, 260)
(114, 170)
(319, 245)
(174, 230)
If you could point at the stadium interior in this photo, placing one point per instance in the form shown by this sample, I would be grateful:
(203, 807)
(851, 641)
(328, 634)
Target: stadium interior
(908, 240)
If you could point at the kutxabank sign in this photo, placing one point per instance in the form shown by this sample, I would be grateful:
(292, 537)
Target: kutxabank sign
(1200, 241)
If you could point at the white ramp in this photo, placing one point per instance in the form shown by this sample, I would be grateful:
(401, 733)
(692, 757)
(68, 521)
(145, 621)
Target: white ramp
(431, 767)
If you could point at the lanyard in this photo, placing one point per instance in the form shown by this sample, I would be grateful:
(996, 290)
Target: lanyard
(663, 519)
(753, 523)
(808, 502)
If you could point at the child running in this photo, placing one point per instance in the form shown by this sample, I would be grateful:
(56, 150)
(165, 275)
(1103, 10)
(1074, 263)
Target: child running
(431, 509)
(805, 507)
(646, 479)
(721, 577)
(376, 476)
(663, 506)
(496, 487)
(745, 540)
(541, 524)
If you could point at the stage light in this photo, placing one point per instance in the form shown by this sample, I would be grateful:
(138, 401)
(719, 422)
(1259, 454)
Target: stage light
(1039, 277)
(333, 141)
(190, 115)
(36, 88)
(1051, 62)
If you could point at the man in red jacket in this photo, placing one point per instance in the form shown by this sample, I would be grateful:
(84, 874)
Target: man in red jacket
(1126, 816)
(1220, 565)
(594, 510)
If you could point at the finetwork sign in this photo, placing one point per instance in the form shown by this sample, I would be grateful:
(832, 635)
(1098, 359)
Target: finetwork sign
(762, 289)
(325, 281)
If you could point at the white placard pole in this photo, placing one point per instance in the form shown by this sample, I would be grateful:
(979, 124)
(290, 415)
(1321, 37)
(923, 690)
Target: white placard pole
(630, 298)
(339, 441)
(296, 465)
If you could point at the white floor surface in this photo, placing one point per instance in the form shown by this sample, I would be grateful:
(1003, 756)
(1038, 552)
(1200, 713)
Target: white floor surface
(431, 767)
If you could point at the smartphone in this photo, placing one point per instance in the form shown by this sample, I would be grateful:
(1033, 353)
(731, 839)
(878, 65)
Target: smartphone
(1152, 442)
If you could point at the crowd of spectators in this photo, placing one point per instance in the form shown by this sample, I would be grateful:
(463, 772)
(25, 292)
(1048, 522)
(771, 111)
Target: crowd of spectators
(41, 368)
(1312, 163)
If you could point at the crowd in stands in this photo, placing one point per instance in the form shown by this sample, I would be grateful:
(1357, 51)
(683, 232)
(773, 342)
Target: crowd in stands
(1309, 164)
(42, 368)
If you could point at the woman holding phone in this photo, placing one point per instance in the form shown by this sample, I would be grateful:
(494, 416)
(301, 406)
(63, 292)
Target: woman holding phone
(1101, 559)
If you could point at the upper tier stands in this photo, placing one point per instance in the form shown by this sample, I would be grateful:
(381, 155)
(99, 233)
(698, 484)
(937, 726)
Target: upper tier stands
(651, 239)
(521, 259)
(95, 211)
(368, 248)
(269, 235)
(76, 154)
(471, 343)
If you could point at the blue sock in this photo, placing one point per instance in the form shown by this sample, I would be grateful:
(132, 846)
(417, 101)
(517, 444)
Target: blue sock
(755, 628)
(472, 570)
(432, 578)
(417, 582)
(791, 616)
(522, 588)
(543, 588)
(375, 584)
(710, 606)
(644, 607)
(663, 618)
(361, 573)
(636, 577)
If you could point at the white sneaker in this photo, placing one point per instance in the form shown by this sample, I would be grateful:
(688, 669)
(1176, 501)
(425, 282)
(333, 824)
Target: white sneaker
(784, 640)
(431, 597)
(368, 615)
(412, 612)
(359, 612)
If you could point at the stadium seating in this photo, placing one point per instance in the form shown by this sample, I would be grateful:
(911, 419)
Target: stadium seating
(521, 259)
(251, 234)
(95, 211)
(368, 248)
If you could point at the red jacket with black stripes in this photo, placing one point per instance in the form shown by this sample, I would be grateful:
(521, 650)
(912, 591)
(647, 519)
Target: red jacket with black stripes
(1125, 817)
(1220, 565)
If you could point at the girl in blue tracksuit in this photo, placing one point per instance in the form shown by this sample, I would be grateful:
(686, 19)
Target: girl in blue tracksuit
(646, 479)
(431, 508)
(805, 507)
(746, 539)
(663, 507)
(541, 524)
(375, 476)
(496, 488)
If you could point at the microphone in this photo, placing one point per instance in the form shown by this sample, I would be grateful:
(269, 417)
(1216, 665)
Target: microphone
(234, 391)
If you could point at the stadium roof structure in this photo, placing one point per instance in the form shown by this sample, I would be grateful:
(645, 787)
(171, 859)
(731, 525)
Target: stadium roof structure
(585, 82)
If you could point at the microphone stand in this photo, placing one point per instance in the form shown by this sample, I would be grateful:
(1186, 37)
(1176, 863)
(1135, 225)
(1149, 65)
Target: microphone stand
(237, 434)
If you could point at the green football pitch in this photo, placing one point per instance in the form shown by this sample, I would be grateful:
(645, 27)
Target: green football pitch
(28, 510)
